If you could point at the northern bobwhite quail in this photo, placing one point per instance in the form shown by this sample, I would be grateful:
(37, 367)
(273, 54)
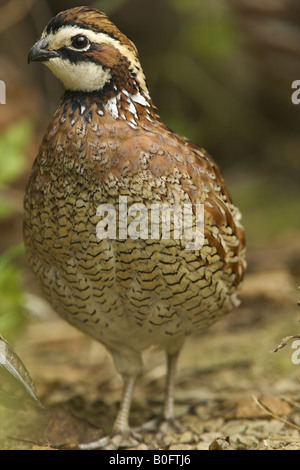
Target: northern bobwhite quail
(106, 148)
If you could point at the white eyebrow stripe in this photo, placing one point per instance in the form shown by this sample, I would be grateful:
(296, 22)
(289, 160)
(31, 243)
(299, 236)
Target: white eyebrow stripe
(64, 35)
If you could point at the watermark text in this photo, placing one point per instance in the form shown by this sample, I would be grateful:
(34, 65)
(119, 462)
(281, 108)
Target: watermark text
(158, 221)
(296, 94)
(296, 354)
(2, 92)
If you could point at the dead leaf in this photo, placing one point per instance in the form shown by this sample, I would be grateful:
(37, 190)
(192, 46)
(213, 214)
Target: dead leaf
(246, 408)
(220, 443)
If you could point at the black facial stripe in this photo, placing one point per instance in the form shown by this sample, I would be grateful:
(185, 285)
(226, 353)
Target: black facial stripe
(76, 56)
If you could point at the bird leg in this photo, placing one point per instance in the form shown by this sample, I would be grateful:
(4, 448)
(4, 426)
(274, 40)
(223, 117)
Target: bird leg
(166, 422)
(168, 411)
(122, 435)
(122, 420)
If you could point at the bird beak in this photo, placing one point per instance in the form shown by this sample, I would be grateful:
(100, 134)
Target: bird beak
(40, 53)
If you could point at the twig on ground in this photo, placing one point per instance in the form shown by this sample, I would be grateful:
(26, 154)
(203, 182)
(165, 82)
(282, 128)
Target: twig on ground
(274, 415)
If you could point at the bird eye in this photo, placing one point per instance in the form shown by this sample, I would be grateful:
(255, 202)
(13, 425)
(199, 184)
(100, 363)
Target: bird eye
(80, 42)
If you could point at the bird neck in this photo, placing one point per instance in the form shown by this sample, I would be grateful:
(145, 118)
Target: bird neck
(129, 104)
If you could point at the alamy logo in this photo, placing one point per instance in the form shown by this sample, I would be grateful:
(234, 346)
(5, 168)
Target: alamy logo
(2, 352)
(296, 354)
(2, 92)
(296, 94)
(160, 221)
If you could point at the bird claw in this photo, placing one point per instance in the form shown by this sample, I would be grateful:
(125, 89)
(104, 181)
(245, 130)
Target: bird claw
(170, 425)
(132, 437)
(114, 441)
(161, 427)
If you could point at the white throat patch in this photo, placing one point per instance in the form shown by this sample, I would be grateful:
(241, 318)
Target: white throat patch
(84, 76)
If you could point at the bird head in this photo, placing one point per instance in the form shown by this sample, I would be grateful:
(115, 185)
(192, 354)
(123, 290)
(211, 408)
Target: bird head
(87, 52)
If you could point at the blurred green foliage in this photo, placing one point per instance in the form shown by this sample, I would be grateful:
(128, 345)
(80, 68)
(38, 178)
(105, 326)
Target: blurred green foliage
(12, 161)
(209, 33)
(267, 214)
(13, 142)
(11, 295)
(108, 6)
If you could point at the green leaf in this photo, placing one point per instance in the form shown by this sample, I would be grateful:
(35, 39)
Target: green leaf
(16, 385)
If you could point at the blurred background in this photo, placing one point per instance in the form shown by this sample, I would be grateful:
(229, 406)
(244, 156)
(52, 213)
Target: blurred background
(221, 73)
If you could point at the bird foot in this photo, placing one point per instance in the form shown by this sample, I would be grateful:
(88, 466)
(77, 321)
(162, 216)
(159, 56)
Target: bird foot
(170, 425)
(161, 427)
(115, 440)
